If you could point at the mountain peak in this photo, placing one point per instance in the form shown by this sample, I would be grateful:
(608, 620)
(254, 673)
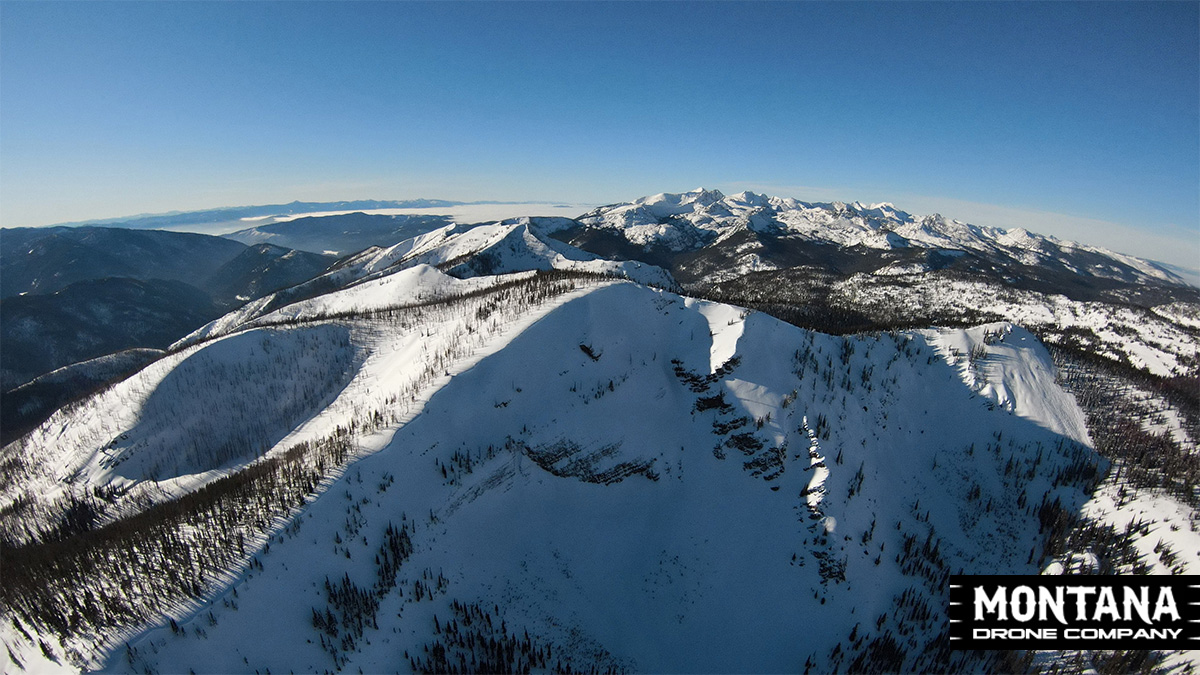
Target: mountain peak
(750, 199)
(700, 196)
(704, 194)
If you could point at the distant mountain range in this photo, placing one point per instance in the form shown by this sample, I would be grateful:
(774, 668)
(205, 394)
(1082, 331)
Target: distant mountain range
(179, 219)
(707, 237)
(41, 260)
(341, 234)
(204, 220)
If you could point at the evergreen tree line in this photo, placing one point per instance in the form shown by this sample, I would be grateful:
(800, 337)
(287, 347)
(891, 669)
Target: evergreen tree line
(1109, 396)
(474, 640)
(514, 297)
(351, 609)
(133, 571)
(810, 299)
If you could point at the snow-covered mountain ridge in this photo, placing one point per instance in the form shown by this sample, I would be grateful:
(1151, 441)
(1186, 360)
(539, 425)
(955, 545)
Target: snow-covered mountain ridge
(479, 252)
(848, 267)
(484, 448)
(691, 220)
(412, 433)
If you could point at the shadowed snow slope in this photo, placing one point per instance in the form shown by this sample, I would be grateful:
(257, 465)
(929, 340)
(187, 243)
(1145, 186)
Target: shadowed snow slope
(712, 491)
(269, 381)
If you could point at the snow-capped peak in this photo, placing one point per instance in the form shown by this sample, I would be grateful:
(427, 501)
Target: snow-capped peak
(669, 204)
(704, 196)
(750, 199)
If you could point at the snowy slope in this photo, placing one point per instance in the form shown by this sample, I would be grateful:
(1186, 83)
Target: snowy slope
(204, 411)
(519, 244)
(713, 490)
(985, 358)
(26, 405)
(462, 251)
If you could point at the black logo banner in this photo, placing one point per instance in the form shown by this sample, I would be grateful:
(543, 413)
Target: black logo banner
(1074, 612)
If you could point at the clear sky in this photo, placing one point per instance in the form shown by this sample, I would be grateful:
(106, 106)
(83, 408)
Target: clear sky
(1072, 118)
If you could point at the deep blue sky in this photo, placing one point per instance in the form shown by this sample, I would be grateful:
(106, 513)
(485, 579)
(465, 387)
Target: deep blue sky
(985, 112)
